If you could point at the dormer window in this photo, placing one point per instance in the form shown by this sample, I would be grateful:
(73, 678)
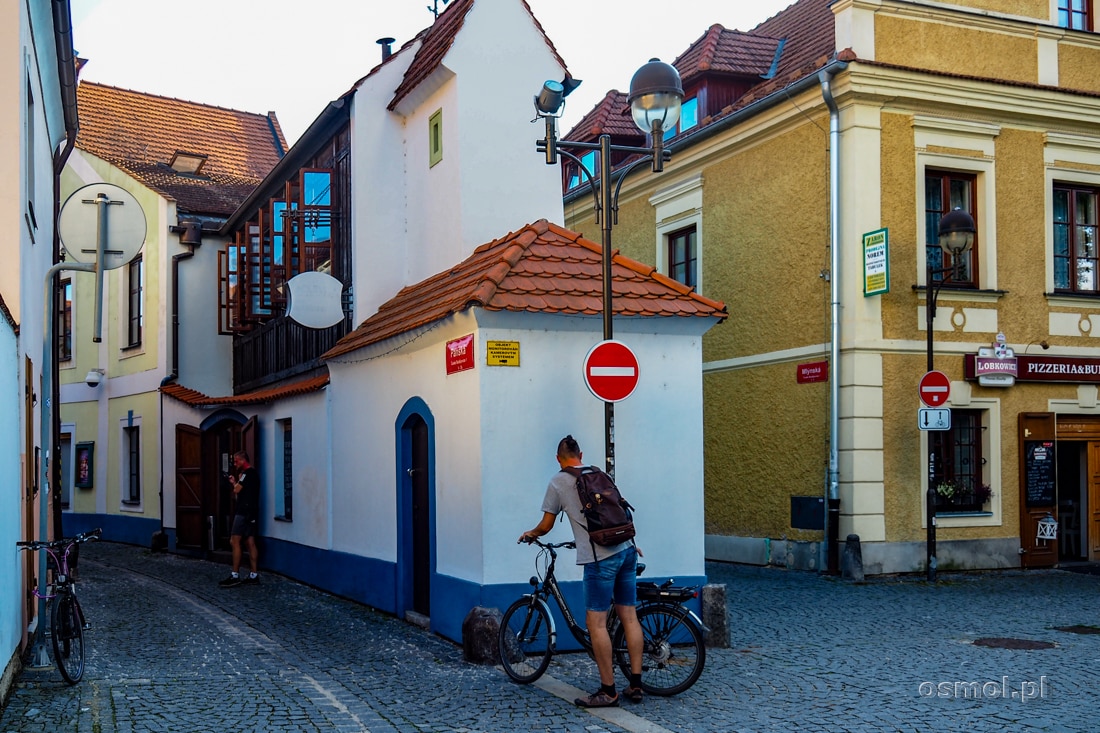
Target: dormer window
(187, 163)
(689, 118)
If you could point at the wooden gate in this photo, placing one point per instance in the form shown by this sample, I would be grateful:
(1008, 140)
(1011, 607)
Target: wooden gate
(189, 510)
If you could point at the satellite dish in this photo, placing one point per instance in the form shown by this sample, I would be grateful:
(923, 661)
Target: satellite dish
(79, 224)
(314, 300)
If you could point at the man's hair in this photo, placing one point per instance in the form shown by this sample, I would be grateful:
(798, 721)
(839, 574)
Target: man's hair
(242, 454)
(568, 448)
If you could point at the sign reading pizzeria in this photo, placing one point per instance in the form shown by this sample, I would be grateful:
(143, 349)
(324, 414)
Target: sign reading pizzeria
(1078, 370)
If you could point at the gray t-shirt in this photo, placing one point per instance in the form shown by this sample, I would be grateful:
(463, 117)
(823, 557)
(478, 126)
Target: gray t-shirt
(561, 495)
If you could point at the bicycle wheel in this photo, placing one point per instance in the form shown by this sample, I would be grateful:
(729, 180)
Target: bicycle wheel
(68, 638)
(524, 643)
(673, 655)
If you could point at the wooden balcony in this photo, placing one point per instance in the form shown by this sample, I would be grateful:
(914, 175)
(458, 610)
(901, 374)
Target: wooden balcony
(280, 349)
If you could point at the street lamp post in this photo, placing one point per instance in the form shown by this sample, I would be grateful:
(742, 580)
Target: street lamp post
(956, 234)
(655, 97)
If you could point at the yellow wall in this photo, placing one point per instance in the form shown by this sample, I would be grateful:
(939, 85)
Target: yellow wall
(934, 46)
(85, 415)
(145, 406)
(1038, 9)
(1077, 67)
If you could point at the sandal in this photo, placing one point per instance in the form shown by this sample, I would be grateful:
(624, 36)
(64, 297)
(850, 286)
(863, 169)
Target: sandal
(598, 699)
(634, 694)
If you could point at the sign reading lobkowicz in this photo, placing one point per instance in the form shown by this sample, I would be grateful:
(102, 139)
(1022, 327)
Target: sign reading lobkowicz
(611, 371)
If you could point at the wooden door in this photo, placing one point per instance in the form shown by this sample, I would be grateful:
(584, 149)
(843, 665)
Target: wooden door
(1037, 486)
(189, 514)
(421, 515)
(1092, 511)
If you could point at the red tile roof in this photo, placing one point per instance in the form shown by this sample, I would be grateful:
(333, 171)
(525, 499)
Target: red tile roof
(542, 268)
(437, 40)
(7, 315)
(140, 133)
(731, 52)
(612, 116)
(262, 396)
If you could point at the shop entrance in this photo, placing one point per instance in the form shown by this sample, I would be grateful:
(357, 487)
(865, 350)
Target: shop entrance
(1078, 488)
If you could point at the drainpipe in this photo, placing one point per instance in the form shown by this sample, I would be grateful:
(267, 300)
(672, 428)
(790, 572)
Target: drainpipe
(66, 72)
(832, 490)
(190, 234)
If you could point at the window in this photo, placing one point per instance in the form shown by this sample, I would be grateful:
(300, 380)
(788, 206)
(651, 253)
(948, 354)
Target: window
(131, 478)
(682, 256)
(30, 162)
(590, 161)
(1075, 14)
(65, 321)
(435, 138)
(960, 486)
(944, 192)
(1075, 232)
(689, 118)
(135, 305)
(284, 500)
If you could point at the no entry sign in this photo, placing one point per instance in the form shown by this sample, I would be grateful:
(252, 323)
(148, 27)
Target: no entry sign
(611, 371)
(934, 388)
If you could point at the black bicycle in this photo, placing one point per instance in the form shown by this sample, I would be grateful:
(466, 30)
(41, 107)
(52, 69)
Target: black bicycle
(66, 617)
(673, 652)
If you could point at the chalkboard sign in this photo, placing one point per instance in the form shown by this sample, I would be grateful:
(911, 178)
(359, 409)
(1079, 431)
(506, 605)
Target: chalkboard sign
(1039, 472)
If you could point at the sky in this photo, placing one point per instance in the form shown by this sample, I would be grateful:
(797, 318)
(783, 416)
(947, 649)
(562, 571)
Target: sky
(295, 56)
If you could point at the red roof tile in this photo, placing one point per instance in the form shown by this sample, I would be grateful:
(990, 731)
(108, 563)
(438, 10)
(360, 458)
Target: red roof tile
(140, 133)
(611, 115)
(730, 52)
(7, 315)
(542, 268)
(437, 40)
(262, 396)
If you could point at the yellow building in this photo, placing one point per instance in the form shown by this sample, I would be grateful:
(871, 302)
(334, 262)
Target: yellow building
(814, 160)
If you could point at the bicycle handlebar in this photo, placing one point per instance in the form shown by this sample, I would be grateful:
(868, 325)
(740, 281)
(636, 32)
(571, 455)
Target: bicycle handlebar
(570, 545)
(92, 534)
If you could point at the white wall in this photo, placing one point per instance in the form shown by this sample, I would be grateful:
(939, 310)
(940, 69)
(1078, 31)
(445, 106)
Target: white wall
(496, 431)
(205, 359)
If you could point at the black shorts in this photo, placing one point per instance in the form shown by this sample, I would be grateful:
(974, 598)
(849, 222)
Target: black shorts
(243, 526)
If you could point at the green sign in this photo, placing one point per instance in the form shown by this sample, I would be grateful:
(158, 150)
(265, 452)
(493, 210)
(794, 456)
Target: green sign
(876, 262)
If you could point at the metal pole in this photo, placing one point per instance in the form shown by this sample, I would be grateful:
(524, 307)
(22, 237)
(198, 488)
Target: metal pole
(930, 495)
(606, 205)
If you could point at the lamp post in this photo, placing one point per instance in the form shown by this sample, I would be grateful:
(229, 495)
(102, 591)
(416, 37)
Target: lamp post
(956, 234)
(655, 97)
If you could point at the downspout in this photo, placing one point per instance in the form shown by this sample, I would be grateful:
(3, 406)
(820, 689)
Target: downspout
(832, 489)
(66, 73)
(190, 234)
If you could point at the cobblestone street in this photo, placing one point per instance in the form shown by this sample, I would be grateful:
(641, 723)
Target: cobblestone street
(170, 651)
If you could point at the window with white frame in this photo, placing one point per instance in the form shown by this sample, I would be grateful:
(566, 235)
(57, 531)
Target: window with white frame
(945, 191)
(131, 467)
(1072, 214)
(135, 305)
(1076, 14)
(679, 211)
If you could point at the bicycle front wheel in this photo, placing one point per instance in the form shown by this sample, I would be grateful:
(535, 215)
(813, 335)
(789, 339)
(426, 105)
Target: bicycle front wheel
(524, 643)
(67, 630)
(673, 652)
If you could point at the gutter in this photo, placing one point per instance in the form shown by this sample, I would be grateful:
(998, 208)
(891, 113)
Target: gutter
(66, 74)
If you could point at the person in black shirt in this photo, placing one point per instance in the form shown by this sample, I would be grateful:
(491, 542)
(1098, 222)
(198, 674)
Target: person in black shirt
(246, 516)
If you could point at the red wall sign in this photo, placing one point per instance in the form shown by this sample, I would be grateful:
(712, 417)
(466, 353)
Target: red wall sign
(815, 371)
(460, 354)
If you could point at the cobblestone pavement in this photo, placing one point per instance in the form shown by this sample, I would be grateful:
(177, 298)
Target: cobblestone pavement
(170, 651)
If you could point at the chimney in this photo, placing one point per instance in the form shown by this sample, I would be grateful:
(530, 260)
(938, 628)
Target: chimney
(387, 47)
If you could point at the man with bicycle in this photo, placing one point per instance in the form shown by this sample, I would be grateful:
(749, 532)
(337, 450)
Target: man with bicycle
(610, 574)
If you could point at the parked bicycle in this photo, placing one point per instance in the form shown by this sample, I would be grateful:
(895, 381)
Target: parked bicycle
(673, 652)
(66, 616)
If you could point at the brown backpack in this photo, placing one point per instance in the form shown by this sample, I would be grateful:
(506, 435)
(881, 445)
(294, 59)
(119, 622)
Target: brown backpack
(606, 512)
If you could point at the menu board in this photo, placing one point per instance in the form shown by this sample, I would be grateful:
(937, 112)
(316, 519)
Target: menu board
(1039, 472)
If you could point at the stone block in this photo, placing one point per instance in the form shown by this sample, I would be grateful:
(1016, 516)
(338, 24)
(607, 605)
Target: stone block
(715, 616)
(480, 630)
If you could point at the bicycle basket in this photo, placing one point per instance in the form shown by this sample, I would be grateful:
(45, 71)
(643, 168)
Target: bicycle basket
(649, 591)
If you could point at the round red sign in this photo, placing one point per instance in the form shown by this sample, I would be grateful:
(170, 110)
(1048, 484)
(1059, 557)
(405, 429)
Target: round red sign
(611, 371)
(934, 389)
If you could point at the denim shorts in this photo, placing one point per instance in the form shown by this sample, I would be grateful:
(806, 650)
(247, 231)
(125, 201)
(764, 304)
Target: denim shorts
(613, 578)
